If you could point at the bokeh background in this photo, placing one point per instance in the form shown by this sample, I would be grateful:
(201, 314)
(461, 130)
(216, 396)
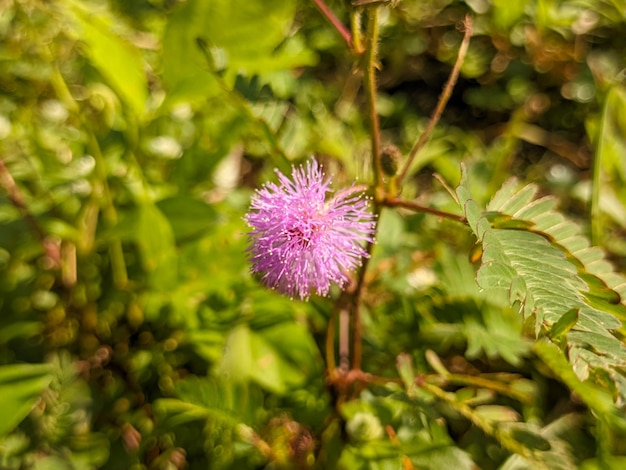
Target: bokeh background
(132, 134)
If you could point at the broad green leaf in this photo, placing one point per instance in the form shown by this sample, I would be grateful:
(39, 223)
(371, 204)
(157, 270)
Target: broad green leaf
(155, 239)
(374, 455)
(507, 13)
(441, 457)
(391, 233)
(238, 35)
(52, 462)
(208, 344)
(116, 59)
(497, 413)
(237, 362)
(187, 216)
(20, 388)
(278, 358)
(20, 329)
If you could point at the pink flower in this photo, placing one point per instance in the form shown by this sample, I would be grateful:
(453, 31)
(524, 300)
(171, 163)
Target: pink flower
(301, 243)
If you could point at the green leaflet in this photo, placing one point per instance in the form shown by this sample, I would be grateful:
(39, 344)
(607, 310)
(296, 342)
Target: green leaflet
(279, 357)
(558, 278)
(20, 388)
(205, 398)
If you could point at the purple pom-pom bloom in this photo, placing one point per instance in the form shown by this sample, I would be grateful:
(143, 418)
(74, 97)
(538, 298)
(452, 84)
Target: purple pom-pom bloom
(301, 242)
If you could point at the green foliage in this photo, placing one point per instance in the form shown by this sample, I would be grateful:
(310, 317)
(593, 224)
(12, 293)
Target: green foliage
(131, 332)
(549, 267)
(118, 61)
(21, 385)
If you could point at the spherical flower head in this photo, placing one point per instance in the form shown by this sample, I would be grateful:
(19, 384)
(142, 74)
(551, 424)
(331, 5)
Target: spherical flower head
(301, 242)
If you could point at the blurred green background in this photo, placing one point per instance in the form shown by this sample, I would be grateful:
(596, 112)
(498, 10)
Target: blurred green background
(132, 134)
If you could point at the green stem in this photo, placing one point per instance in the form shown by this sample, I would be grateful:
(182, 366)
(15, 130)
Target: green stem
(371, 91)
(355, 26)
(484, 425)
(480, 382)
(116, 252)
(595, 212)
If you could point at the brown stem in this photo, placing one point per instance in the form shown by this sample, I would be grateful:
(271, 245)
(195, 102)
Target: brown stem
(333, 20)
(344, 340)
(395, 202)
(370, 87)
(357, 334)
(331, 365)
(357, 327)
(50, 247)
(443, 99)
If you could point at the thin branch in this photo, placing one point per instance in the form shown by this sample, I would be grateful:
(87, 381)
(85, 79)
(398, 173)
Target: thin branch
(355, 26)
(395, 202)
(337, 24)
(479, 382)
(445, 185)
(357, 327)
(488, 427)
(443, 99)
(50, 247)
(357, 376)
(344, 340)
(116, 252)
(330, 346)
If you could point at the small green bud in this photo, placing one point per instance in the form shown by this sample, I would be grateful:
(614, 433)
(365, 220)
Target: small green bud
(364, 427)
(389, 158)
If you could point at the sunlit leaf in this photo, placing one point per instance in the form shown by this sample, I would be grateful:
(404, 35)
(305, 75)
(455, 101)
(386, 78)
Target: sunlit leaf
(230, 402)
(188, 217)
(115, 58)
(237, 35)
(155, 239)
(549, 266)
(20, 388)
(277, 358)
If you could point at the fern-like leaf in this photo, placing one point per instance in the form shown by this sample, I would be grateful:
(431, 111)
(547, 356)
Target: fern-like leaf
(550, 268)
